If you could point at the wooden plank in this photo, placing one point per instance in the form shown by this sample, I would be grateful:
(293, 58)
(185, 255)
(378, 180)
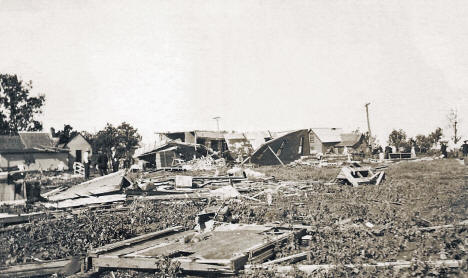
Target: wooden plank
(135, 240)
(312, 268)
(87, 201)
(450, 226)
(289, 259)
(101, 185)
(34, 269)
(8, 218)
(276, 156)
(379, 179)
(191, 196)
(124, 262)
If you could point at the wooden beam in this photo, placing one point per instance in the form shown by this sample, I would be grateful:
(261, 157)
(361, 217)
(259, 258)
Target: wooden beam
(138, 239)
(312, 268)
(34, 269)
(289, 259)
(275, 155)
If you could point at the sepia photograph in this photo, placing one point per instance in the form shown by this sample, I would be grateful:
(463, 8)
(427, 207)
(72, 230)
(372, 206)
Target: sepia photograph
(233, 138)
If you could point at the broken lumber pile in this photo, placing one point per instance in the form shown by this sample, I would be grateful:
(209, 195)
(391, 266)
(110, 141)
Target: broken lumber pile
(357, 175)
(223, 250)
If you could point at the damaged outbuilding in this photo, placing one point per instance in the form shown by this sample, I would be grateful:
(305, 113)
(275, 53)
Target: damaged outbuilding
(283, 150)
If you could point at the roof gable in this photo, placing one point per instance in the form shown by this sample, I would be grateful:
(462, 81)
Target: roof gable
(328, 135)
(78, 137)
(350, 139)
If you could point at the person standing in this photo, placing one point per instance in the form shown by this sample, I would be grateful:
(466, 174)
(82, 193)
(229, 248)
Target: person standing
(465, 149)
(86, 162)
(102, 163)
(115, 161)
(443, 149)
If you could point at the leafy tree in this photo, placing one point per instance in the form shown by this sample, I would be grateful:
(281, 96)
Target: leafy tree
(105, 139)
(17, 108)
(435, 136)
(88, 136)
(66, 134)
(397, 138)
(423, 143)
(123, 138)
(128, 138)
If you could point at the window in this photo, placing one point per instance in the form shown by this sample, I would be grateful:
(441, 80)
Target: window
(311, 138)
(278, 152)
(301, 146)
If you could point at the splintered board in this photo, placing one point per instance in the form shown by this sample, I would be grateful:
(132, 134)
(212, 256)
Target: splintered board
(226, 249)
(101, 185)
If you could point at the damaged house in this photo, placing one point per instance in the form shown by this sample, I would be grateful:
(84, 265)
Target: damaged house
(169, 154)
(283, 149)
(334, 141)
(31, 151)
(210, 139)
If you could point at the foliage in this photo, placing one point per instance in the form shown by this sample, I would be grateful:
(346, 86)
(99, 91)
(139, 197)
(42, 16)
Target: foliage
(17, 108)
(397, 138)
(66, 134)
(123, 138)
(435, 136)
(128, 138)
(49, 239)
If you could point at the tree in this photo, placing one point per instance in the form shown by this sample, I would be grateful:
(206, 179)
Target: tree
(454, 120)
(435, 136)
(128, 138)
(66, 134)
(17, 108)
(397, 138)
(423, 143)
(124, 139)
(105, 139)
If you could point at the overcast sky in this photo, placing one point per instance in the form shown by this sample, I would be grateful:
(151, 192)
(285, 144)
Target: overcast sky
(260, 64)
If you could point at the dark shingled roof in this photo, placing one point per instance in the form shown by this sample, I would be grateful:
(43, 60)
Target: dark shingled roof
(28, 142)
(349, 139)
(33, 140)
(8, 142)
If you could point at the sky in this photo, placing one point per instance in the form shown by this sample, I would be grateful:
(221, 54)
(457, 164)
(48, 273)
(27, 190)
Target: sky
(173, 65)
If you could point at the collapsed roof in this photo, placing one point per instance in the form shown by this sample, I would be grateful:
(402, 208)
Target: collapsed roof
(283, 149)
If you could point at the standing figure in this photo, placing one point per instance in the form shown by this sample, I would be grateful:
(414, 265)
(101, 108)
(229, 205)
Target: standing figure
(443, 149)
(465, 149)
(102, 163)
(86, 163)
(115, 161)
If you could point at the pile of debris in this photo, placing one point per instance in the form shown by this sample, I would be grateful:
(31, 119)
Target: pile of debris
(356, 175)
(205, 163)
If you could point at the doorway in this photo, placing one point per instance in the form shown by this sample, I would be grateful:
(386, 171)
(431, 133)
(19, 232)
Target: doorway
(78, 156)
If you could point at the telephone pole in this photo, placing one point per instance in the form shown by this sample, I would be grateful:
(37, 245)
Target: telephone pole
(368, 125)
(219, 134)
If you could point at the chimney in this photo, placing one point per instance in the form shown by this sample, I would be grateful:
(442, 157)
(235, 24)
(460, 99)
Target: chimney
(52, 131)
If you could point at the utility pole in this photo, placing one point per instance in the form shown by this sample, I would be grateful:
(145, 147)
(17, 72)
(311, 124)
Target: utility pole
(368, 125)
(219, 134)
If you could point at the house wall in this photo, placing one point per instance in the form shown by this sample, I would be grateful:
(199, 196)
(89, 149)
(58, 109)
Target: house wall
(77, 143)
(315, 143)
(35, 161)
(189, 137)
(165, 159)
